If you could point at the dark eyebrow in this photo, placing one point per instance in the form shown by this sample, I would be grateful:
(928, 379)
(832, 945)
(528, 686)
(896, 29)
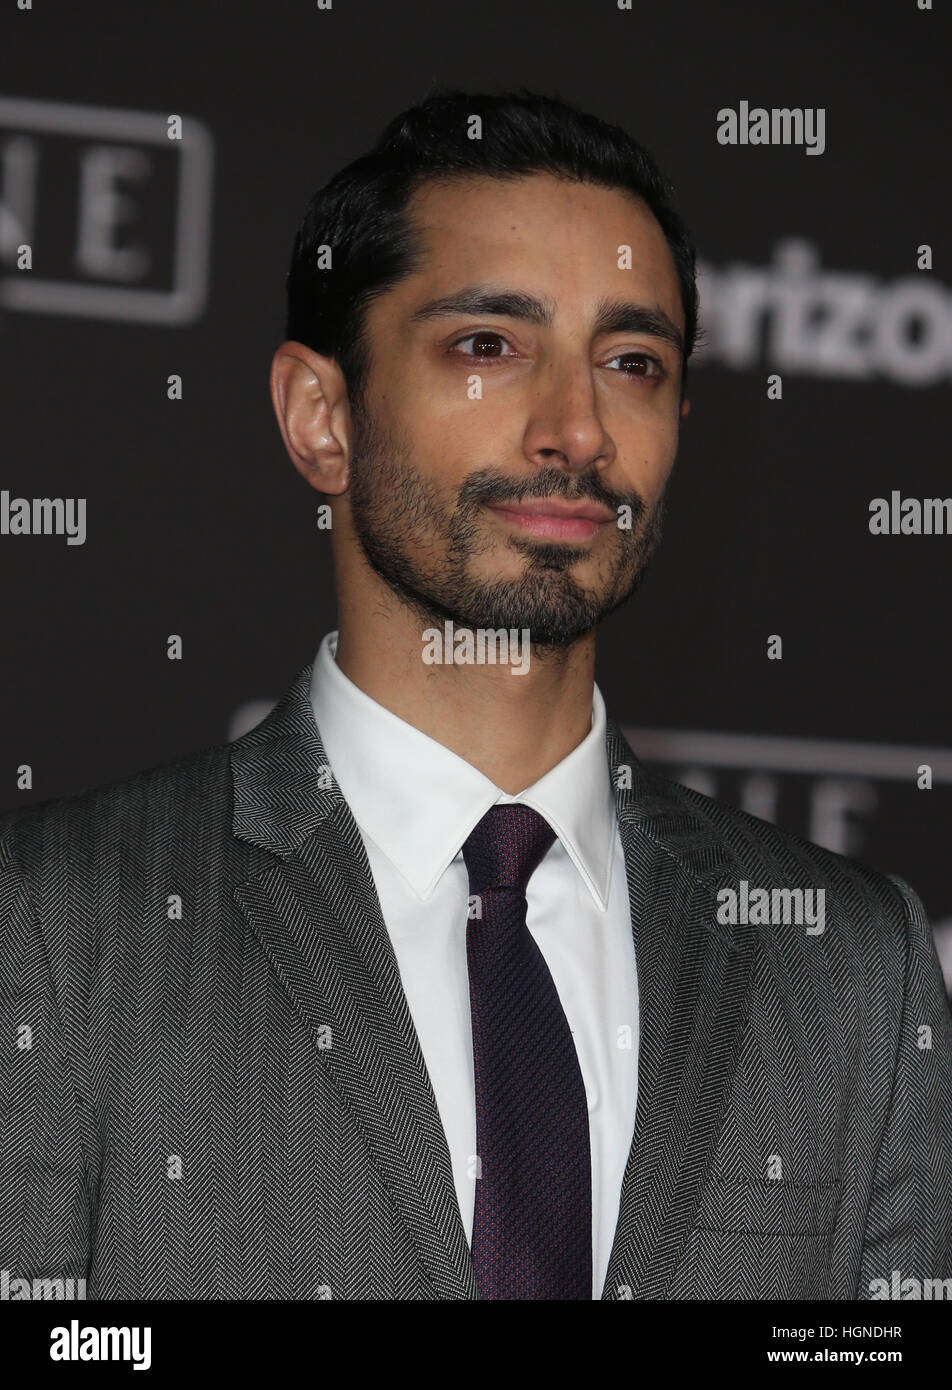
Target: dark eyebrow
(611, 316)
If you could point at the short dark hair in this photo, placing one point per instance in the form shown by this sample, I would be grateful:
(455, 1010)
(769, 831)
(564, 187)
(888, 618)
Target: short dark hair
(361, 213)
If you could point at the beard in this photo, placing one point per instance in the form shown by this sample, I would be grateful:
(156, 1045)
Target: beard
(426, 556)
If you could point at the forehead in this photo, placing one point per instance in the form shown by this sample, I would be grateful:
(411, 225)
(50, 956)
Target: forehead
(540, 233)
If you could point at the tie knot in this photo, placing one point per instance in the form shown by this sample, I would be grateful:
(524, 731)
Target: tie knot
(505, 847)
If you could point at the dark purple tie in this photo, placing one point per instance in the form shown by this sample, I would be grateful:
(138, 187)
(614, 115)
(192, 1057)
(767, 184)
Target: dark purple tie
(532, 1223)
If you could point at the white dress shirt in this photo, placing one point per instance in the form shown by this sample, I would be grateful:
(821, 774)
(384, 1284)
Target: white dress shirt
(415, 803)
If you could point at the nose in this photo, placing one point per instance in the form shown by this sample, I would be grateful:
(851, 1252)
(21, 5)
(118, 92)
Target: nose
(565, 428)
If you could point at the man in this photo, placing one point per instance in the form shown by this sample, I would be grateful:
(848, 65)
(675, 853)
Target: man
(425, 987)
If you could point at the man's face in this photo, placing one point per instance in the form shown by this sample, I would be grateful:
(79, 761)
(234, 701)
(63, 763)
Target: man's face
(568, 410)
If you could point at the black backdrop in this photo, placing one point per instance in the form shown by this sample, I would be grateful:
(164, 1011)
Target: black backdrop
(154, 257)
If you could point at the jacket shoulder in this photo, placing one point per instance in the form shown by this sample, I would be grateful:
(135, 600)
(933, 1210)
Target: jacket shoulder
(169, 799)
(771, 855)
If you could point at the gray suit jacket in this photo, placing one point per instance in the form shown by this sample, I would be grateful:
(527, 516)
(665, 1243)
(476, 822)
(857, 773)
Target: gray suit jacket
(210, 1084)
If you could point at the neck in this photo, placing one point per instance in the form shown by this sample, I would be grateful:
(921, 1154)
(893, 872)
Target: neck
(513, 724)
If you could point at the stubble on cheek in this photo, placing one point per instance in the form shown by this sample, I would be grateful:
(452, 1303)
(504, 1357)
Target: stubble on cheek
(438, 547)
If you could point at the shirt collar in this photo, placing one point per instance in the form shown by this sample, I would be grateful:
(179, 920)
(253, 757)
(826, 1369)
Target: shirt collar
(418, 801)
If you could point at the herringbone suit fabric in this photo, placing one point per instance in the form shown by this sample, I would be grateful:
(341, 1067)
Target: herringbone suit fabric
(210, 1084)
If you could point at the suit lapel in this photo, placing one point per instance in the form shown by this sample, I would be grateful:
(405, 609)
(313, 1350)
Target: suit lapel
(694, 980)
(312, 902)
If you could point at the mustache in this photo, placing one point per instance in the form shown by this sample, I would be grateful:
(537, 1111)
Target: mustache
(488, 486)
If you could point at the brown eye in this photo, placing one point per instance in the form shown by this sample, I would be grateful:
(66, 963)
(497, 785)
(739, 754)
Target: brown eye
(644, 365)
(482, 340)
